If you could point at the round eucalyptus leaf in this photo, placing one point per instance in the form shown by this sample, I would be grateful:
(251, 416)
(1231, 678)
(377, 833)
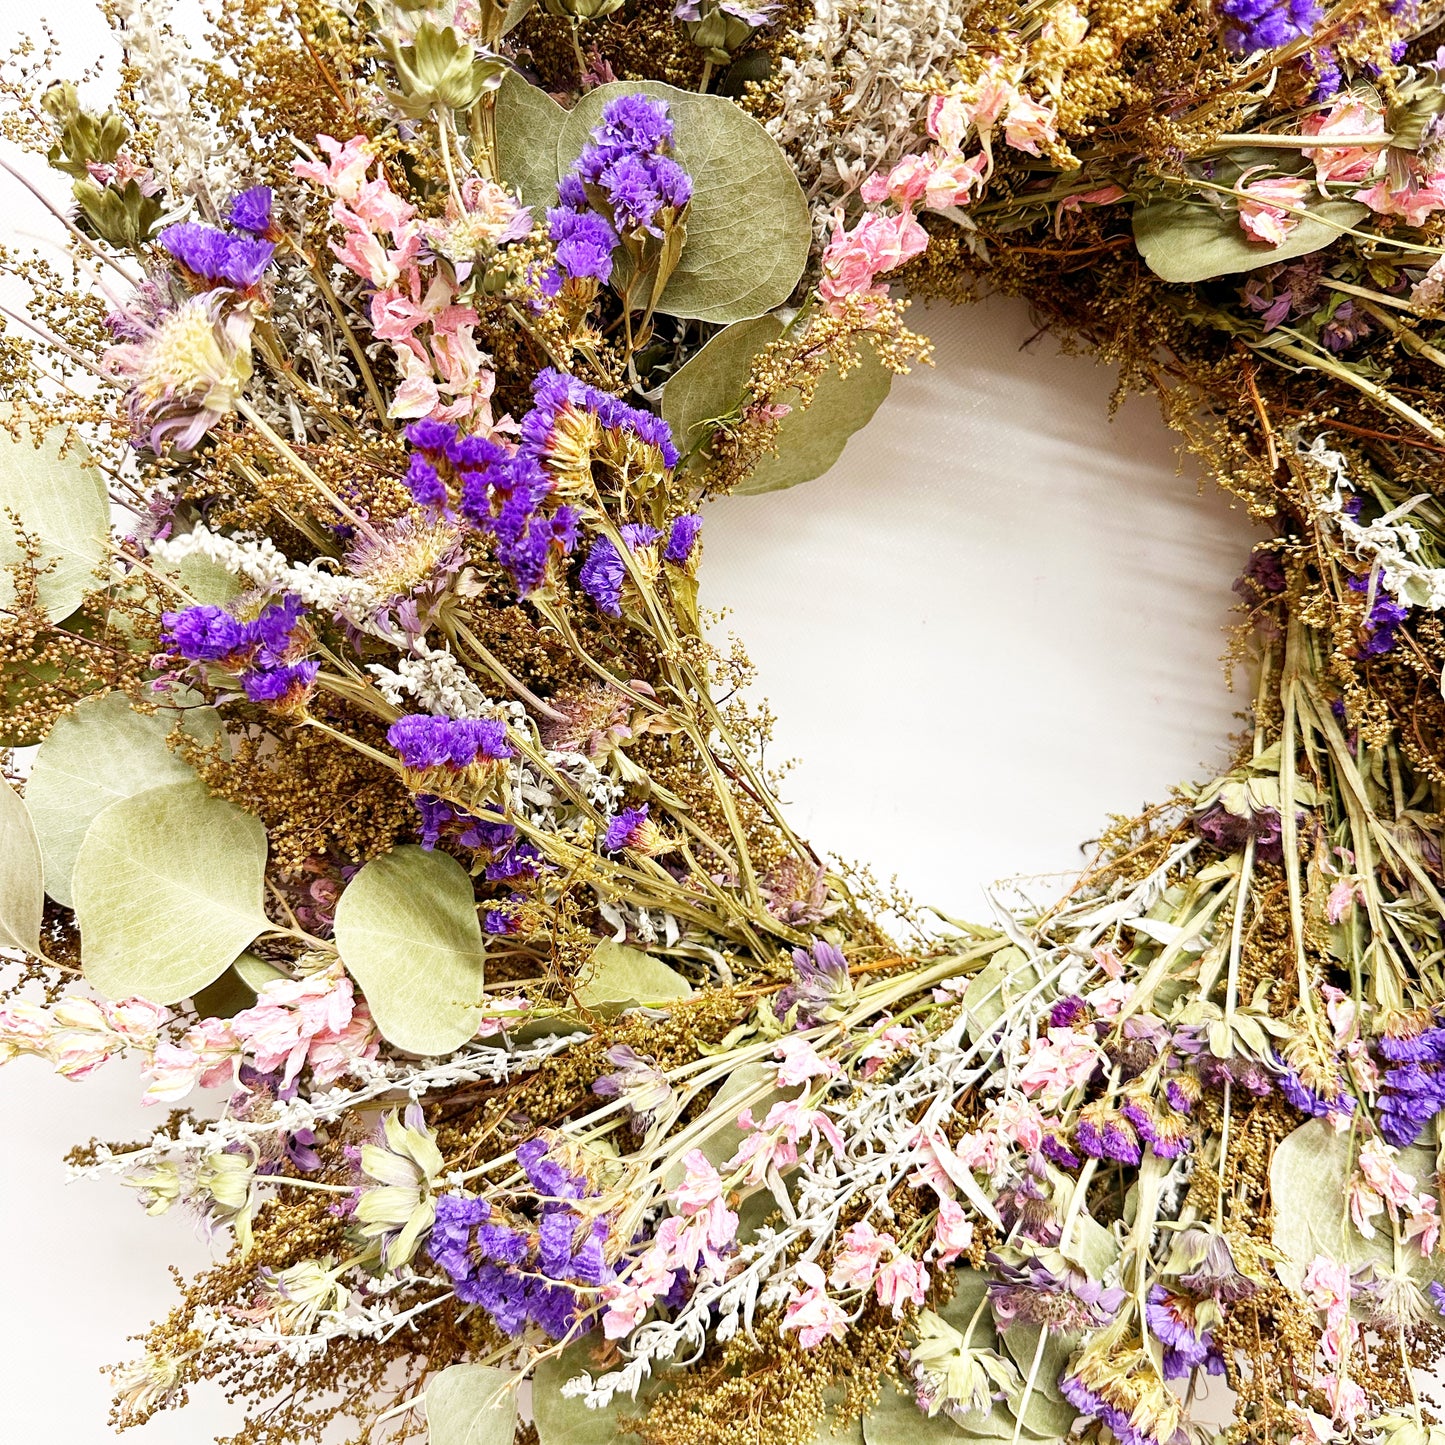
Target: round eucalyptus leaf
(710, 387)
(1309, 1179)
(63, 507)
(748, 230)
(407, 931)
(22, 891)
(102, 751)
(617, 977)
(471, 1405)
(168, 890)
(564, 1420)
(1186, 241)
(529, 124)
(810, 440)
(255, 972)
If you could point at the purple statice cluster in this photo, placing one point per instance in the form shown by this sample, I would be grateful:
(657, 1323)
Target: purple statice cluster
(1412, 1084)
(628, 829)
(1382, 624)
(1095, 1404)
(226, 258)
(1298, 1095)
(1256, 25)
(265, 652)
(424, 742)
(1105, 1133)
(1053, 1296)
(510, 493)
(821, 988)
(1186, 1347)
(604, 574)
(1163, 1124)
(624, 184)
(1228, 832)
(522, 1270)
(502, 493)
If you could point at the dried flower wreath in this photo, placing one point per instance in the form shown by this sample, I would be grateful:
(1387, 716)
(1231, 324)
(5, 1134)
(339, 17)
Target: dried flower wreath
(389, 793)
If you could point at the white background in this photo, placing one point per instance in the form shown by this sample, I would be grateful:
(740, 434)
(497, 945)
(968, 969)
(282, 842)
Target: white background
(998, 619)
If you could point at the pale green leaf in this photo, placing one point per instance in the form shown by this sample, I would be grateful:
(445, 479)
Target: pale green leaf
(168, 889)
(712, 384)
(748, 231)
(1007, 978)
(1090, 1246)
(897, 1420)
(1309, 1178)
(529, 124)
(810, 440)
(62, 505)
(407, 931)
(563, 1420)
(617, 977)
(256, 972)
(237, 988)
(206, 581)
(22, 891)
(471, 1405)
(100, 752)
(1186, 241)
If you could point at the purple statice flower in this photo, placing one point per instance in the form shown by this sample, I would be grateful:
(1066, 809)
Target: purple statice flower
(1186, 1347)
(1348, 325)
(504, 919)
(547, 1175)
(628, 829)
(1058, 1152)
(521, 860)
(1410, 1097)
(440, 819)
(204, 634)
(603, 574)
(682, 538)
(251, 210)
(1300, 1096)
(1054, 1298)
(1263, 577)
(638, 1083)
(1437, 1293)
(1384, 619)
(1091, 1402)
(585, 242)
(273, 632)
(821, 989)
(1166, 1136)
(1102, 1134)
(212, 255)
(1026, 1208)
(1267, 24)
(1239, 1072)
(450, 1245)
(558, 396)
(1067, 1011)
(623, 182)
(424, 742)
(283, 687)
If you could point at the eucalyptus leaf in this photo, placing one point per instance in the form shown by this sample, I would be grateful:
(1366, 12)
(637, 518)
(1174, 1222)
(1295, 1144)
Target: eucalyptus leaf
(712, 384)
(224, 997)
(255, 972)
(1187, 241)
(810, 440)
(168, 887)
(1309, 1178)
(617, 977)
(62, 505)
(748, 230)
(471, 1405)
(100, 752)
(564, 1420)
(22, 890)
(1021, 1342)
(529, 125)
(1090, 1246)
(407, 931)
(896, 1420)
(1007, 978)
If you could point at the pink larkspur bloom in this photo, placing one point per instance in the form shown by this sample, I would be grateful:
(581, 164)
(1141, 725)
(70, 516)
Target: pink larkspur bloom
(855, 257)
(773, 1144)
(1349, 116)
(1057, 1064)
(1261, 207)
(310, 1020)
(952, 1233)
(857, 1262)
(344, 173)
(902, 1281)
(815, 1317)
(206, 1056)
(1029, 126)
(801, 1062)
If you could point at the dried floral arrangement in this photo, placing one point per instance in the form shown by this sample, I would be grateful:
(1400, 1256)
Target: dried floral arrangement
(389, 802)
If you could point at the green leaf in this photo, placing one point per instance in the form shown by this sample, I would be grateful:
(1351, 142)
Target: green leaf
(471, 1405)
(1185, 241)
(225, 997)
(712, 384)
(617, 977)
(22, 891)
(1090, 1246)
(1007, 978)
(102, 751)
(407, 931)
(561, 1420)
(897, 1420)
(811, 440)
(529, 125)
(255, 972)
(1309, 1179)
(168, 888)
(748, 231)
(62, 504)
